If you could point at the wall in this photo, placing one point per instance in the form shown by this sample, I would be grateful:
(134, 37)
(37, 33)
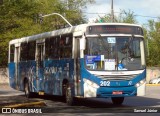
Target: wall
(152, 72)
(4, 76)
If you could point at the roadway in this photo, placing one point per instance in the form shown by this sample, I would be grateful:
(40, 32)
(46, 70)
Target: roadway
(54, 104)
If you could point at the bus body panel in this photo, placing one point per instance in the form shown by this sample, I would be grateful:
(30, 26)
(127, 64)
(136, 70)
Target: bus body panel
(27, 70)
(11, 67)
(55, 71)
(93, 86)
(49, 78)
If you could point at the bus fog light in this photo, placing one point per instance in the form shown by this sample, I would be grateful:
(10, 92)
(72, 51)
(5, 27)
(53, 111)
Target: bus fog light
(140, 83)
(137, 85)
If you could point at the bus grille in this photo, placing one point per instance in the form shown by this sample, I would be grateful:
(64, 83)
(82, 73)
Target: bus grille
(116, 77)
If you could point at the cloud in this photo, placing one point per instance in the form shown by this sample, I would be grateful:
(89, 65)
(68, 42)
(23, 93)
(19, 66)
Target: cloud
(144, 7)
(139, 7)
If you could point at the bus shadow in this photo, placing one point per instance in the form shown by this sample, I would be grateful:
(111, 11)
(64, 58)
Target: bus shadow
(128, 102)
(107, 103)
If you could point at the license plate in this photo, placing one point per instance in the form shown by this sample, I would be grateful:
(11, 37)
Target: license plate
(41, 93)
(117, 92)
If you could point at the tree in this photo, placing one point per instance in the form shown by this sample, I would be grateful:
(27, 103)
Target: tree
(19, 18)
(127, 17)
(123, 17)
(153, 37)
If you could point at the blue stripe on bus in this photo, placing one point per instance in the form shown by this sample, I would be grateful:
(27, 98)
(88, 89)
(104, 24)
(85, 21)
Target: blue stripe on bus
(11, 67)
(49, 78)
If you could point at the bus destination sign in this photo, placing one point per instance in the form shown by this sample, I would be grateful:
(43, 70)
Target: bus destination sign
(114, 29)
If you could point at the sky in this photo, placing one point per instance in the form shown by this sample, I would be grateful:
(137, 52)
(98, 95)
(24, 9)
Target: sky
(147, 9)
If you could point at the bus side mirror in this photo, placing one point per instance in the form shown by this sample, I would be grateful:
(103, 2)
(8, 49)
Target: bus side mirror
(82, 43)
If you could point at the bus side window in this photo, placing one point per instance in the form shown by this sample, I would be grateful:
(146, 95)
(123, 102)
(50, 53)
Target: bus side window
(55, 45)
(24, 52)
(12, 48)
(51, 48)
(47, 48)
(31, 50)
(28, 51)
(66, 47)
(59, 47)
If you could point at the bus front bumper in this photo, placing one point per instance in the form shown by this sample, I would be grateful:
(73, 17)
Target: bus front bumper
(91, 89)
(105, 92)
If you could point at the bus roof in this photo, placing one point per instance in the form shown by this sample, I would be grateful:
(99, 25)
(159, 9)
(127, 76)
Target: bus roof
(77, 28)
(127, 24)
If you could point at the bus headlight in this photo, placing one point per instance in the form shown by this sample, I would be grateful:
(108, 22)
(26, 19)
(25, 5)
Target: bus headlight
(90, 83)
(141, 87)
(140, 83)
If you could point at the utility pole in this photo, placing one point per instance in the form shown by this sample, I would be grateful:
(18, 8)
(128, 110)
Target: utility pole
(112, 12)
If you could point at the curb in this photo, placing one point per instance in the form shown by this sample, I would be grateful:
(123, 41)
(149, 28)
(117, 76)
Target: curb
(153, 84)
(31, 104)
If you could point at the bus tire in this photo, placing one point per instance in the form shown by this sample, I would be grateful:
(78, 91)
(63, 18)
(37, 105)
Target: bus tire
(69, 98)
(27, 91)
(117, 100)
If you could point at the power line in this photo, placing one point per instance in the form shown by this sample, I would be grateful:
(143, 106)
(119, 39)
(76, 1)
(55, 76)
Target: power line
(148, 16)
(155, 17)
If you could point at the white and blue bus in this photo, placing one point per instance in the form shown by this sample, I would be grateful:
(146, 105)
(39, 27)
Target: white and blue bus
(99, 60)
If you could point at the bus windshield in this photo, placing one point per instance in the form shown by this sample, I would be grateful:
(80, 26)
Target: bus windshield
(114, 53)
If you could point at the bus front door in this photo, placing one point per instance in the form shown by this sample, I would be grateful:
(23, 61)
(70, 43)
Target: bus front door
(77, 62)
(17, 67)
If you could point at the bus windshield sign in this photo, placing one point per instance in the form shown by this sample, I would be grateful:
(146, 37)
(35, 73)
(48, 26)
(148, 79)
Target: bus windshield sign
(114, 29)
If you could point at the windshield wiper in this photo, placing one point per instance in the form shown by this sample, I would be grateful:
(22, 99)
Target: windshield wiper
(102, 42)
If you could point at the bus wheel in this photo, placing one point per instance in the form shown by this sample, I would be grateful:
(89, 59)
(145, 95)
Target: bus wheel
(69, 97)
(117, 100)
(28, 94)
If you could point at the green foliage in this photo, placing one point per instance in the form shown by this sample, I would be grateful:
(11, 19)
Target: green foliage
(127, 17)
(104, 19)
(123, 17)
(153, 37)
(19, 18)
